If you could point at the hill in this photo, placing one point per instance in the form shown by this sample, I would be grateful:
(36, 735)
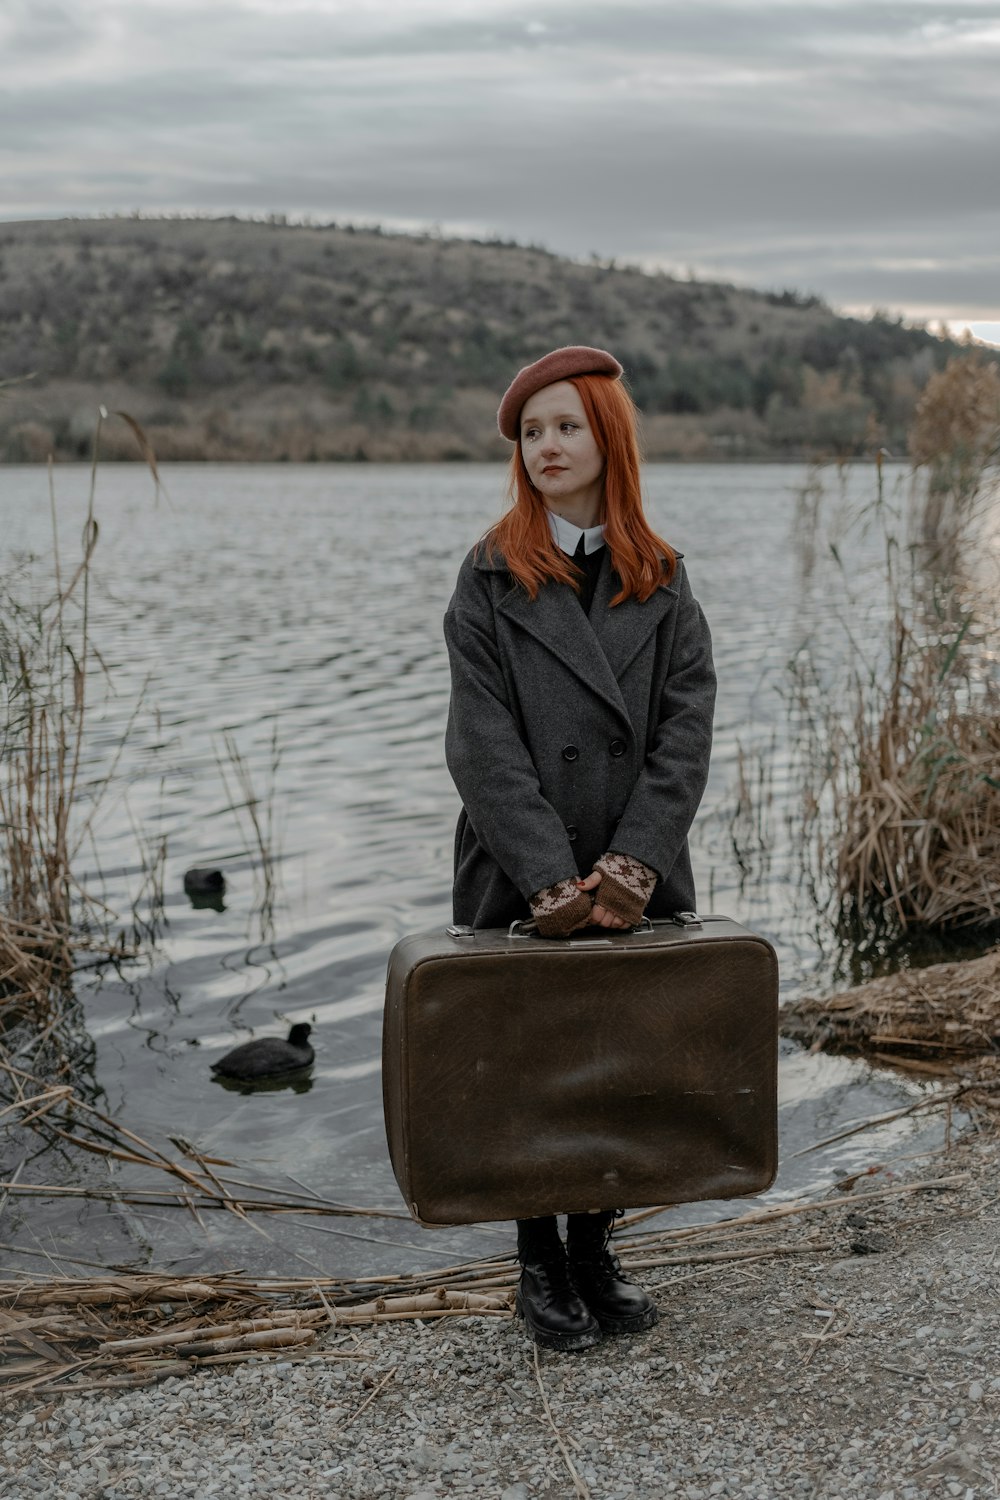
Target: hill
(231, 339)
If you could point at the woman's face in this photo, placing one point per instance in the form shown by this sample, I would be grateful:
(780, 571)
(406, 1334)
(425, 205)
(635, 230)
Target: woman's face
(560, 451)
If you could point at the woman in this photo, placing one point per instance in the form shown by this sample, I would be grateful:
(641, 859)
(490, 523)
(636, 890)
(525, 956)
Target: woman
(578, 737)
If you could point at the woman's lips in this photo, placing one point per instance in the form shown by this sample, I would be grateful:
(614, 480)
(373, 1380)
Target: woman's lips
(554, 469)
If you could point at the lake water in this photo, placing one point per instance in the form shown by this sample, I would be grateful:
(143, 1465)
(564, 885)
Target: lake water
(294, 613)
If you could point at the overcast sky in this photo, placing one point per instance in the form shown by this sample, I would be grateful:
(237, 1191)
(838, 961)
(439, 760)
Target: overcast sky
(846, 148)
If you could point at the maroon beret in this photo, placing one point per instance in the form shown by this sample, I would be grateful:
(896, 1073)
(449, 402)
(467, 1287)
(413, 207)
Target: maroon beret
(575, 359)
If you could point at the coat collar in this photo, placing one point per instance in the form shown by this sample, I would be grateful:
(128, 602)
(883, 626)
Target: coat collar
(598, 649)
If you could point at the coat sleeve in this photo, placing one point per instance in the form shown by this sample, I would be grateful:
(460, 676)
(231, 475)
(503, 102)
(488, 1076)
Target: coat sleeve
(672, 781)
(488, 760)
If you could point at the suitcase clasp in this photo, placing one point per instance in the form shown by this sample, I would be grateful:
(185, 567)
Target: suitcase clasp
(457, 931)
(686, 919)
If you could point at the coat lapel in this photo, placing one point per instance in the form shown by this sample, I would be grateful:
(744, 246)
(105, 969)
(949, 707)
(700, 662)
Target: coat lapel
(623, 631)
(557, 621)
(598, 651)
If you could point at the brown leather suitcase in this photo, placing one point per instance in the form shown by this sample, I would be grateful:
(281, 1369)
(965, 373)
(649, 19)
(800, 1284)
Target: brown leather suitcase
(524, 1075)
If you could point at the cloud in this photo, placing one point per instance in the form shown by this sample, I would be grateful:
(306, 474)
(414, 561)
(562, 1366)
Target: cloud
(843, 148)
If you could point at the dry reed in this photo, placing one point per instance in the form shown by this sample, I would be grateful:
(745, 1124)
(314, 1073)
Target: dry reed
(955, 438)
(255, 815)
(899, 756)
(48, 661)
(919, 829)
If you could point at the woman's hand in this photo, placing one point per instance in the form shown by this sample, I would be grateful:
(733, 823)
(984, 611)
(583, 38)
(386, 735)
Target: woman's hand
(560, 909)
(599, 915)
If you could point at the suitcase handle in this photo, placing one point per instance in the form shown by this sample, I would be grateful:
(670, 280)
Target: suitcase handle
(527, 926)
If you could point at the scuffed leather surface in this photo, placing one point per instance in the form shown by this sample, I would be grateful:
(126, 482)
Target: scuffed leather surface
(525, 1076)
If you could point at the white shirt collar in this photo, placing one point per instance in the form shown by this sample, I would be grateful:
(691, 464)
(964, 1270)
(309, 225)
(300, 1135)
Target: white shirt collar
(567, 536)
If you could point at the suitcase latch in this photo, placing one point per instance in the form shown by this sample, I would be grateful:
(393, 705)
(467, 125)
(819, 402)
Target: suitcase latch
(457, 931)
(686, 919)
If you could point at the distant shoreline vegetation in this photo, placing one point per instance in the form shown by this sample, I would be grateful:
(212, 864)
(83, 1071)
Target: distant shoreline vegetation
(248, 340)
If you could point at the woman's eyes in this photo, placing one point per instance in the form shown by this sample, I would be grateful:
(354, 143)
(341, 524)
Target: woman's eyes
(533, 432)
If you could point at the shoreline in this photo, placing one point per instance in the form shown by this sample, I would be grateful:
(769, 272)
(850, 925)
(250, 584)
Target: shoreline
(940, 1022)
(443, 458)
(850, 1358)
(837, 1345)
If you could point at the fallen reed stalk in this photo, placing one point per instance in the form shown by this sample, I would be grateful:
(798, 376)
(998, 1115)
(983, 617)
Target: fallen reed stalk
(61, 1114)
(947, 1015)
(375, 1393)
(887, 1117)
(160, 1198)
(580, 1486)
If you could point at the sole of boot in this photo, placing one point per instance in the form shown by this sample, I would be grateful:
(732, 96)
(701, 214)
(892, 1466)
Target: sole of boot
(638, 1323)
(566, 1343)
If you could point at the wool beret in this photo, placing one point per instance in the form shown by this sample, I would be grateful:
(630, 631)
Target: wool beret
(575, 359)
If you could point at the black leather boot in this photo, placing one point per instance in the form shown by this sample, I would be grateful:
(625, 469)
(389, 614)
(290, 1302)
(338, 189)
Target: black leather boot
(616, 1302)
(546, 1299)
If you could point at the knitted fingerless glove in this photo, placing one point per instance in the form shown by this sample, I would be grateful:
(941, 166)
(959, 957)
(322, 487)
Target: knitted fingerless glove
(626, 886)
(559, 908)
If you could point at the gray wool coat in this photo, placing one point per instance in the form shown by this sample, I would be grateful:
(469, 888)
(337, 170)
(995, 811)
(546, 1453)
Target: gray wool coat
(568, 736)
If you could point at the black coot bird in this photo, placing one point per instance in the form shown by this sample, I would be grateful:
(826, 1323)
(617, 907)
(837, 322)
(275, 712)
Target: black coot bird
(204, 882)
(268, 1056)
(205, 889)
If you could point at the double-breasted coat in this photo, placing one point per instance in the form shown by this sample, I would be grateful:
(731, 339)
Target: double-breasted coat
(569, 735)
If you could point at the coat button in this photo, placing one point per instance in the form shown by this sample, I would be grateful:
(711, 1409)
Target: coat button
(571, 832)
(570, 752)
(617, 747)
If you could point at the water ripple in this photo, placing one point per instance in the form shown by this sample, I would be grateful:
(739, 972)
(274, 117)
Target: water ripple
(306, 603)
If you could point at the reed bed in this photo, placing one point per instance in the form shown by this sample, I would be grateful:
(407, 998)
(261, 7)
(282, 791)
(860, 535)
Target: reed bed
(60, 1333)
(48, 666)
(898, 753)
(917, 826)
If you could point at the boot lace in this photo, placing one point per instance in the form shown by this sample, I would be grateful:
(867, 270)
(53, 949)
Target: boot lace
(596, 1256)
(551, 1273)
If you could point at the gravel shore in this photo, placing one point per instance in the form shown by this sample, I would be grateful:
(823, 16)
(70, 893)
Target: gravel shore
(861, 1362)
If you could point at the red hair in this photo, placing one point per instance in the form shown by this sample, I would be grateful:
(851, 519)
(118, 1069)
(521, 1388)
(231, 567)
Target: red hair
(642, 560)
